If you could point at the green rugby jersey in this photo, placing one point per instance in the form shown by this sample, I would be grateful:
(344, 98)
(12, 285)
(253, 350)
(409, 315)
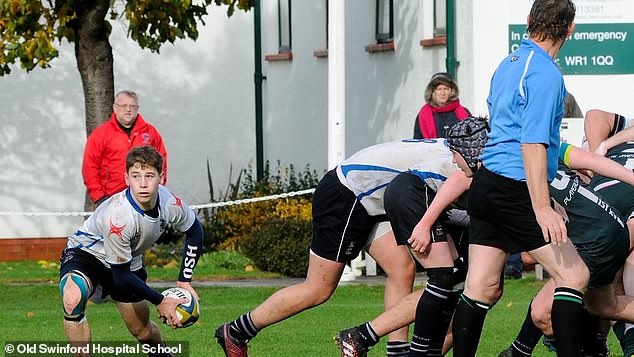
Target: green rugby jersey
(595, 228)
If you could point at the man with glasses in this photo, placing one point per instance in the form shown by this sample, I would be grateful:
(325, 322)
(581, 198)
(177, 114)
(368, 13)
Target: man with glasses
(103, 166)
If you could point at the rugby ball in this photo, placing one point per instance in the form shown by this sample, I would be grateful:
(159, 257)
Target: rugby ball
(188, 312)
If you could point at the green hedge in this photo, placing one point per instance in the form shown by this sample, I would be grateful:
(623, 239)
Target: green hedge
(281, 246)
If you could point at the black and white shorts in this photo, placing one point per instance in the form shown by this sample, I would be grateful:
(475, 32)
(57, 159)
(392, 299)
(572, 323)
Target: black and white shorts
(341, 225)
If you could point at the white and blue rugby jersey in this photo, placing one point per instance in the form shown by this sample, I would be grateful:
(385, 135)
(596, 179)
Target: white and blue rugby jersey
(369, 171)
(119, 231)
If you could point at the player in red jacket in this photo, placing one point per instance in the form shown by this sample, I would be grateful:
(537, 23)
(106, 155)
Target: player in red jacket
(103, 166)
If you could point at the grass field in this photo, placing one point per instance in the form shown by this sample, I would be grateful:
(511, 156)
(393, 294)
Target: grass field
(32, 312)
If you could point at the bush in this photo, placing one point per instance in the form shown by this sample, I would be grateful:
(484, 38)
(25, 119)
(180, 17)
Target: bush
(225, 260)
(281, 246)
(227, 227)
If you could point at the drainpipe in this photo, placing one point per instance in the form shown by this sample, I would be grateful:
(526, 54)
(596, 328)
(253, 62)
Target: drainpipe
(258, 78)
(451, 62)
(336, 83)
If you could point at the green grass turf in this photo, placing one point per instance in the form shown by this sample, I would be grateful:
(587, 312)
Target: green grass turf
(215, 265)
(33, 313)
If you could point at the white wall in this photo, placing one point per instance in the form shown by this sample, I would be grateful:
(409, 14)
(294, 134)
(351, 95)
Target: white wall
(40, 147)
(295, 97)
(200, 95)
(385, 90)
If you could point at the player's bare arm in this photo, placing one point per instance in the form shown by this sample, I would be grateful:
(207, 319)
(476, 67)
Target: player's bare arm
(455, 186)
(580, 159)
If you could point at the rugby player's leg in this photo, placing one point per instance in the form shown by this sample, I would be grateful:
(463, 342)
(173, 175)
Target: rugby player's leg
(538, 314)
(480, 292)
(75, 288)
(136, 316)
(399, 315)
(438, 301)
(571, 277)
(400, 269)
(321, 281)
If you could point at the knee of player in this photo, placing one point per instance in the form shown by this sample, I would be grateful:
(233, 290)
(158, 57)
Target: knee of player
(541, 319)
(497, 294)
(321, 296)
(401, 269)
(143, 333)
(579, 277)
(75, 289)
(540, 311)
(491, 293)
(575, 277)
(309, 293)
(440, 278)
(409, 270)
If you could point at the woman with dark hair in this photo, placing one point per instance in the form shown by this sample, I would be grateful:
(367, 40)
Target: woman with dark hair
(442, 108)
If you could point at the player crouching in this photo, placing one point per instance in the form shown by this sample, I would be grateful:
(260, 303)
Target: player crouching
(107, 251)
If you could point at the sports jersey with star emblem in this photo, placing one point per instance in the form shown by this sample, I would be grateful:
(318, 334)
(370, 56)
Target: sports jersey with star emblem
(120, 231)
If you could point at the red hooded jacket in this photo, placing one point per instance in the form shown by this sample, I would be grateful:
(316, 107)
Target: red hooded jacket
(103, 167)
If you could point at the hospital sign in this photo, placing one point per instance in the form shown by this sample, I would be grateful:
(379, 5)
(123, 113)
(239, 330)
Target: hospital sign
(605, 48)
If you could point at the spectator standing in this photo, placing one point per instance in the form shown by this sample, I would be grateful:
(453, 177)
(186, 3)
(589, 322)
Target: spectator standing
(442, 108)
(103, 166)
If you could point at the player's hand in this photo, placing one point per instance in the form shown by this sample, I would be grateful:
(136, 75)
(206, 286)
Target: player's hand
(188, 286)
(420, 240)
(167, 311)
(552, 225)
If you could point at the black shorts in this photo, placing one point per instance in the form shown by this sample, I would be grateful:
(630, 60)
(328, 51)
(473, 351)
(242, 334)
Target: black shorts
(341, 225)
(501, 214)
(406, 200)
(99, 274)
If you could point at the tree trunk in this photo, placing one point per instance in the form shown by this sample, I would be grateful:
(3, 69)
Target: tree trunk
(94, 61)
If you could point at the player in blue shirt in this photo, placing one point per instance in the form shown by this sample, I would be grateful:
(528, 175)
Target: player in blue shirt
(509, 204)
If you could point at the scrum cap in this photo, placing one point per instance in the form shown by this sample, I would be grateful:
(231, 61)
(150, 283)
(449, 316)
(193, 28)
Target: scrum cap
(468, 138)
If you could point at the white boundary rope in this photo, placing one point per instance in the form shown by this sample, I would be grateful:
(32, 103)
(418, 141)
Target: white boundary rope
(194, 207)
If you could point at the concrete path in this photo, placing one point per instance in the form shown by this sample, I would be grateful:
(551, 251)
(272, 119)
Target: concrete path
(421, 278)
